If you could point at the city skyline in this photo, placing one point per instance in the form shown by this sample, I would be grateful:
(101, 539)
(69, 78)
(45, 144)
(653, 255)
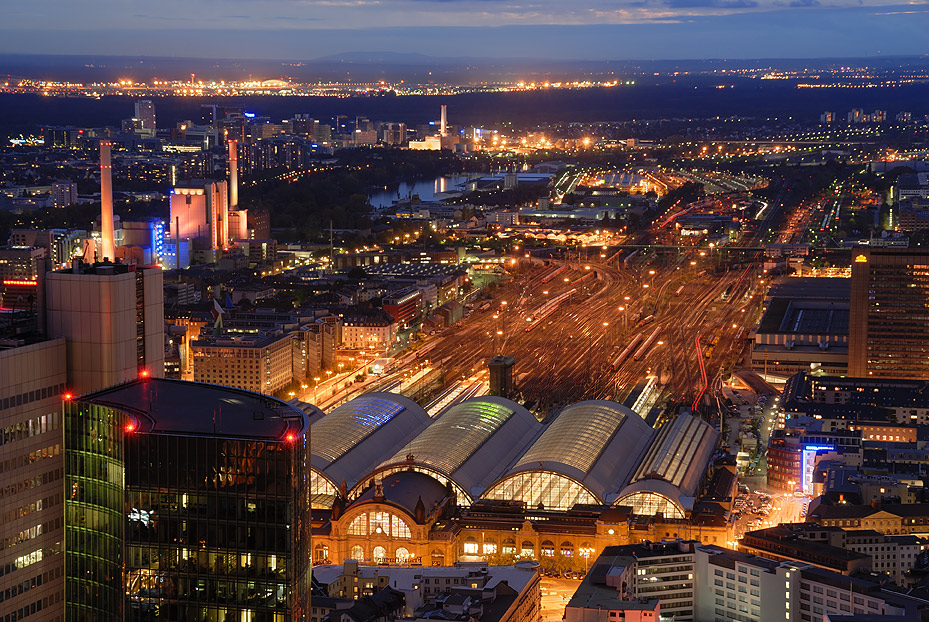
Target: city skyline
(308, 29)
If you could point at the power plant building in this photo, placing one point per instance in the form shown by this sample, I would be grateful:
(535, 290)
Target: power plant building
(112, 316)
(199, 213)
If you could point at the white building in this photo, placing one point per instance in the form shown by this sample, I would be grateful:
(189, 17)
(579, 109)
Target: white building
(368, 333)
(737, 586)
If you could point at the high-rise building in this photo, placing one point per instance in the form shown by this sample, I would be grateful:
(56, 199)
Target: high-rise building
(64, 193)
(112, 316)
(221, 534)
(888, 318)
(33, 378)
(145, 113)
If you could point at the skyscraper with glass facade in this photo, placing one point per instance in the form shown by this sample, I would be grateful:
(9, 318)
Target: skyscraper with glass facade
(889, 314)
(185, 502)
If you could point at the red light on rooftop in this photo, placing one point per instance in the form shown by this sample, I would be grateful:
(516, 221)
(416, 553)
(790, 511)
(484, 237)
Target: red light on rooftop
(67, 397)
(143, 373)
(130, 427)
(290, 437)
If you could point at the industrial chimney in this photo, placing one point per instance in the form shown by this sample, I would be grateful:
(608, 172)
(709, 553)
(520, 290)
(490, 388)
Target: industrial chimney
(106, 202)
(443, 125)
(233, 159)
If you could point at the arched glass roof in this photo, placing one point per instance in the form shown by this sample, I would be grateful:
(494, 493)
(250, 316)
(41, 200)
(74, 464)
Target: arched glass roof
(679, 454)
(596, 444)
(576, 437)
(473, 442)
(550, 491)
(673, 466)
(347, 443)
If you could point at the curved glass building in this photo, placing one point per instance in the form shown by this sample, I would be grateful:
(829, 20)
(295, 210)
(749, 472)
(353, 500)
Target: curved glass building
(348, 443)
(584, 456)
(468, 447)
(669, 475)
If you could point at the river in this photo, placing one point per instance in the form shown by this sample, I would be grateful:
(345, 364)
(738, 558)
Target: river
(426, 189)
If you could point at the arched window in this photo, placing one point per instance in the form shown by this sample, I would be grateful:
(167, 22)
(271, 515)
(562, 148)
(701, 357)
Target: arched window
(548, 548)
(567, 549)
(321, 552)
(379, 523)
(402, 555)
(490, 546)
(359, 526)
(527, 550)
(438, 557)
(398, 527)
(383, 524)
(379, 554)
(358, 553)
(509, 547)
(646, 503)
(470, 546)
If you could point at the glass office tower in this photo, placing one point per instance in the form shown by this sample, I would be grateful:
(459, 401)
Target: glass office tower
(211, 501)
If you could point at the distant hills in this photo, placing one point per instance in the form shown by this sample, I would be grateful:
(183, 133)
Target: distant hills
(393, 66)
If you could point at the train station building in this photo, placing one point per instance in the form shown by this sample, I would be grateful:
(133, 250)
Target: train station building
(487, 481)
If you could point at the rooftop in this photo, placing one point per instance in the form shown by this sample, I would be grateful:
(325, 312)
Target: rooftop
(164, 406)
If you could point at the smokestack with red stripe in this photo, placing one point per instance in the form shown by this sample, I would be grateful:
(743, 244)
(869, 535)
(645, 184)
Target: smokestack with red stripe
(233, 174)
(106, 202)
(443, 124)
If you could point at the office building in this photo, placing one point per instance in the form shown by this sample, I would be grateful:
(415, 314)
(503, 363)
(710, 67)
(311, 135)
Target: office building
(738, 586)
(145, 113)
(404, 305)
(33, 379)
(112, 316)
(259, 224)
(637, 582)
(825, 547)
(885, 518)
(372, 332)
(263, 363)
(59, 243)
(216, 536)
(912, 186)
(895, 402)
(21, 263)
(804, 326)
(793, 453)
(889, 319)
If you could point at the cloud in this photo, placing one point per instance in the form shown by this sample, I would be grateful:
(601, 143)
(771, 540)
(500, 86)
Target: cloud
(804, 3)
(711, 4)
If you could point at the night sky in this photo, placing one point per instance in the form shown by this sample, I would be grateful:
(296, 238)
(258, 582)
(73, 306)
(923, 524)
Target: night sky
(541, 29)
